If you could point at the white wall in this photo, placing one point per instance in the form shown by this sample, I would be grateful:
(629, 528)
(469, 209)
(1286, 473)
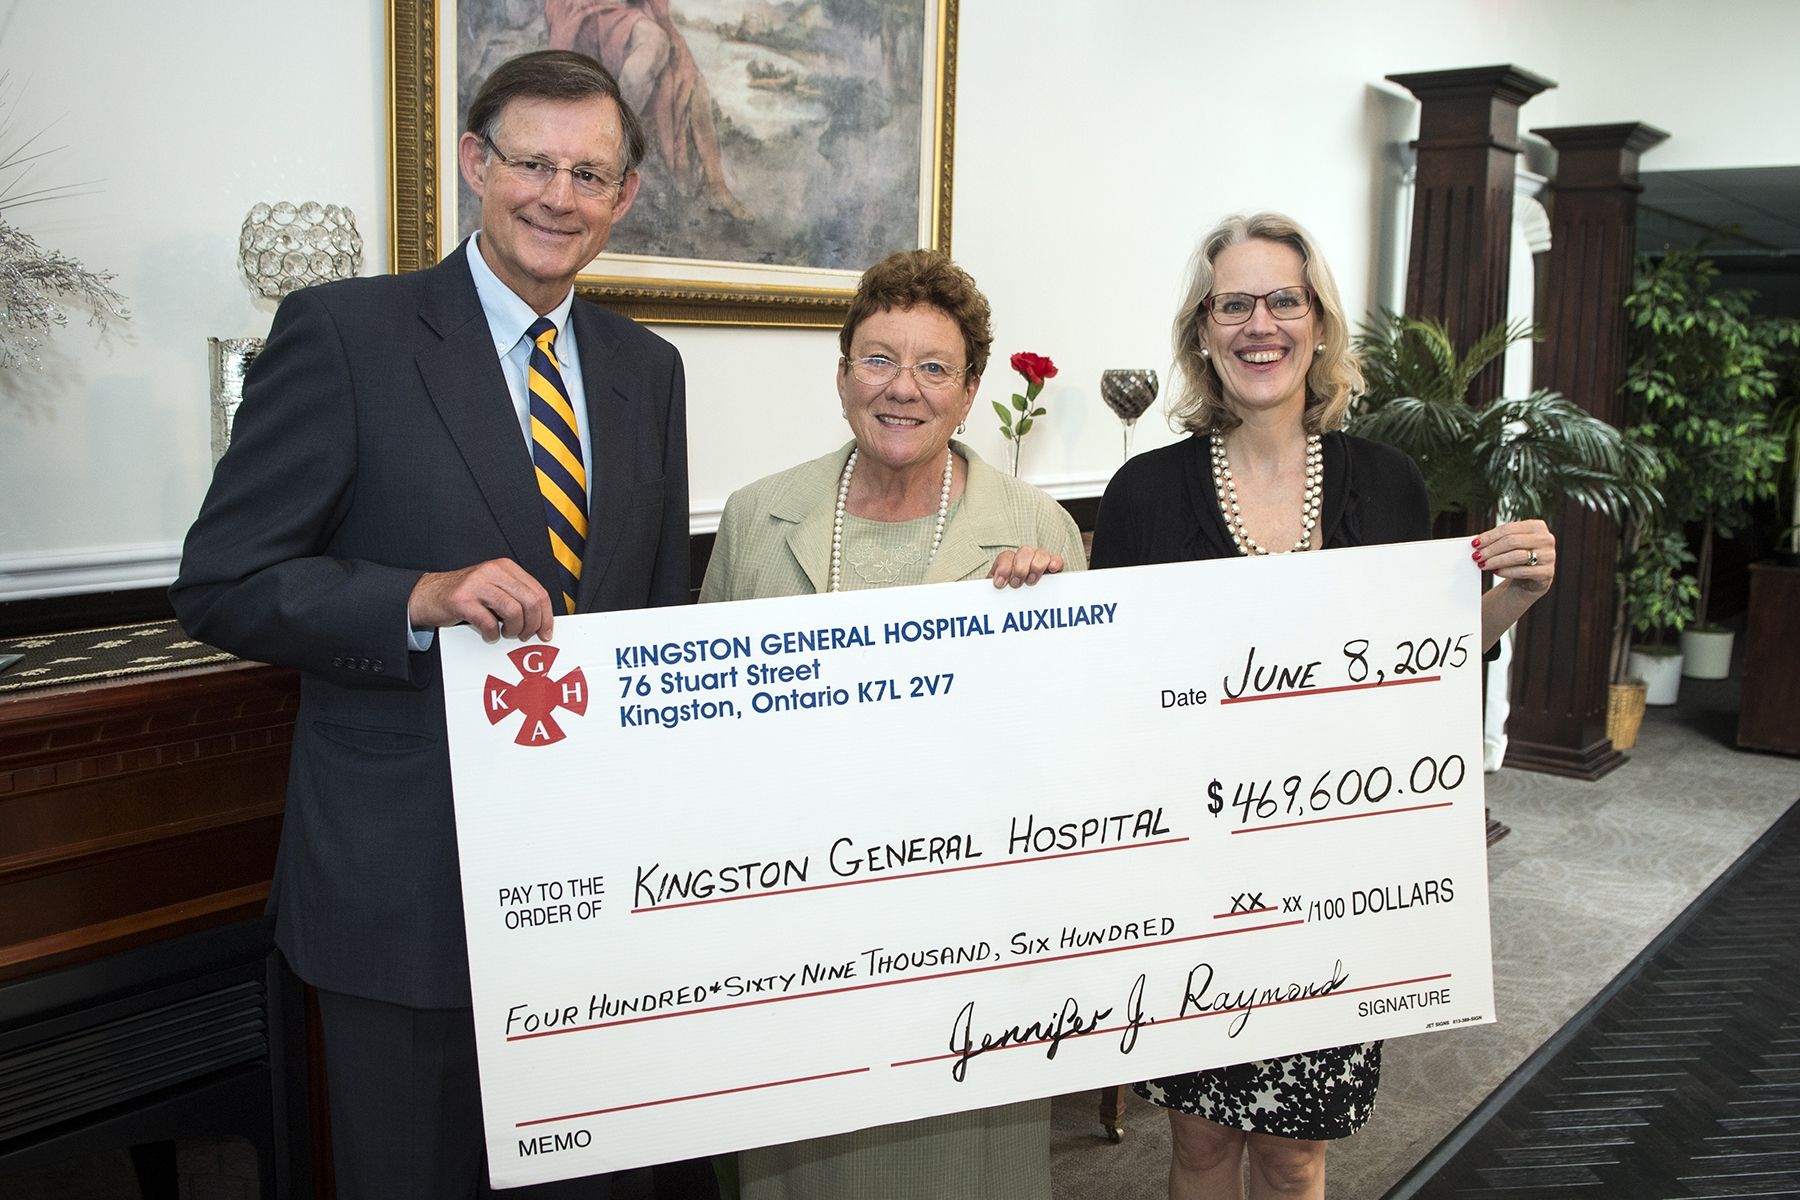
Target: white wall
(185, 115)
(1095, 142)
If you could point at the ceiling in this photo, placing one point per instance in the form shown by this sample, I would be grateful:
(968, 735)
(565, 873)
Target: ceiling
(1679, 208)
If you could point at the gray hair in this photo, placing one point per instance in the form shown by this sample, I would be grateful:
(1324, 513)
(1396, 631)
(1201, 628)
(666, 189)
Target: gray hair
(554, 75)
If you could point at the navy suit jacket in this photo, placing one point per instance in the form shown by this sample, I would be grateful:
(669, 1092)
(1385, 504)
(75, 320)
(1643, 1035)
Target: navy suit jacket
(377, 441)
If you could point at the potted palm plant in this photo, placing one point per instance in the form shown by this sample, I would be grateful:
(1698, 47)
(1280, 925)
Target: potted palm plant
(1650, 594)
(1702, 381)
(1515, 457)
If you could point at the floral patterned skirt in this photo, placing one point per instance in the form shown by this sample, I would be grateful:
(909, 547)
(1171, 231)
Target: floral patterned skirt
(1318, 1095)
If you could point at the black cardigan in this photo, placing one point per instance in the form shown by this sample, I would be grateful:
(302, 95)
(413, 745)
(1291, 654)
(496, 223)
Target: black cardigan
(1161, 507)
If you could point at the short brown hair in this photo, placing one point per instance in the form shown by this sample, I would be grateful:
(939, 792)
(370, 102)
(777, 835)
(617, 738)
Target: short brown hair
(912, 277)
(554, 75)
(1334, 376)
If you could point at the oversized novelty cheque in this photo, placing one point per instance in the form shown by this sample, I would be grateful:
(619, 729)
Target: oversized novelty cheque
(738, 874)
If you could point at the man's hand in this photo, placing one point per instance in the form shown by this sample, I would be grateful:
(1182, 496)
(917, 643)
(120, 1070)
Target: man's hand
(498, 597)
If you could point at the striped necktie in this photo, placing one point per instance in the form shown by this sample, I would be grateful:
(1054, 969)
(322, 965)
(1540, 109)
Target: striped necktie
(556, 452)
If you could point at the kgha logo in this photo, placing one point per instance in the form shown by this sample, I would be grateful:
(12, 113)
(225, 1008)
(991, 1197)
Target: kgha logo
(536, 696)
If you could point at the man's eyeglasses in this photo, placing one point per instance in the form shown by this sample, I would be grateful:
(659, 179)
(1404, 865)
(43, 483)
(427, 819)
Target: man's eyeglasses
(878, 370)
(1234, 308)
(537, 173)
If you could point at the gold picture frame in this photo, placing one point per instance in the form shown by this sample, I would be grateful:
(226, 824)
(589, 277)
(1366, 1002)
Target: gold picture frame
(422, 185)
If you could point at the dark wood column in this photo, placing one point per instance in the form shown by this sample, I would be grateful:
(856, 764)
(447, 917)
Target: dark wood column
(1468, 145)
(1560, 661)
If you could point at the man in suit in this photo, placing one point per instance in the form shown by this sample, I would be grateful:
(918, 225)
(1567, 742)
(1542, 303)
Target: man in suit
(392, 472)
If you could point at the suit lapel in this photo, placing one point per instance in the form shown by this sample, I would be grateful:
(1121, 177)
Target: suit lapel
(809, 522)
(981, 527)
(809, 541)
(610, 383)
(962, 557)
(462, 376)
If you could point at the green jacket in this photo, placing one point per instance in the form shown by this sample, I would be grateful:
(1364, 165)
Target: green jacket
(775, 536)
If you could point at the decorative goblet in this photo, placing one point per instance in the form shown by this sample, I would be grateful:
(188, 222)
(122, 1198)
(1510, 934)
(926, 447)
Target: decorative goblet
(1128, 393)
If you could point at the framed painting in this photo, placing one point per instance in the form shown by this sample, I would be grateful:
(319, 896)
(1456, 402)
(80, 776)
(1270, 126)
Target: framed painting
(791, 142)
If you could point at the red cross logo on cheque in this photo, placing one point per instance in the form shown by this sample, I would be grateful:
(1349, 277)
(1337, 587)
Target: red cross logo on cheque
(536, 696)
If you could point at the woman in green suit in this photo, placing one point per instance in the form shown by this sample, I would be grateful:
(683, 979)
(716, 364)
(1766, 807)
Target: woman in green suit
(901, 503)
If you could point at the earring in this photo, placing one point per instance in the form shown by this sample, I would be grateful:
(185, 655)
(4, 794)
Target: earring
(1319, 349)
(962, 428)
(1205, 353)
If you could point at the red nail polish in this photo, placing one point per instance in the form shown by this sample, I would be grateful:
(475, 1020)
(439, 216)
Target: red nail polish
(1474, 541)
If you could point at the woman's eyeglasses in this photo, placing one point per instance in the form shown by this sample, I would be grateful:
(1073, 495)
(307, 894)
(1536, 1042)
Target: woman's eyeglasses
(1234, 308)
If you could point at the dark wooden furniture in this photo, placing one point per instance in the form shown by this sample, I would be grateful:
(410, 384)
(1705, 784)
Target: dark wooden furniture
(1562, 665)
(140, 999)
(1468, 151)
(138, 811)
(1769, 712)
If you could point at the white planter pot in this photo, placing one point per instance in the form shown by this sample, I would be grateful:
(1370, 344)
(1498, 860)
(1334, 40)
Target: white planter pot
(1706, 653)
(1661, 674)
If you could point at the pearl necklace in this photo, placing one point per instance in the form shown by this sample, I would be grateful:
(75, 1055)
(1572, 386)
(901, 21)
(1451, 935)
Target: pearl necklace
(837, 519)
(1226, 488)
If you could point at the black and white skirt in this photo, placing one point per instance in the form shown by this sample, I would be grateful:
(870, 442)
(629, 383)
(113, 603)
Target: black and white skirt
(1318, 1095)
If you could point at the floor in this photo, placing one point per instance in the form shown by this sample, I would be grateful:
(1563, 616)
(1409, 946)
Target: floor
(1682, 1080)
(1590, 873)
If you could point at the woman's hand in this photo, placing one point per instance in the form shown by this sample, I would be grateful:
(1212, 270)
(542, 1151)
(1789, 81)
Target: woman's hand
(1024, 566)
(1523, 555)
(1522, 552)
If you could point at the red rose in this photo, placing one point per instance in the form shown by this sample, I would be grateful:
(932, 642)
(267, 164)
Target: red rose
(1034, 367)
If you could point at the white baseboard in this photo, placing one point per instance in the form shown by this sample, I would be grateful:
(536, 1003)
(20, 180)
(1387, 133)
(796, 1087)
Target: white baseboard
(120, 568)
(76, 572)
(1075, 487)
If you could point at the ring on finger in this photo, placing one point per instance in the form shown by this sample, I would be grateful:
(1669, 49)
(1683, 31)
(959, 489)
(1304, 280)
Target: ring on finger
(1531, 559)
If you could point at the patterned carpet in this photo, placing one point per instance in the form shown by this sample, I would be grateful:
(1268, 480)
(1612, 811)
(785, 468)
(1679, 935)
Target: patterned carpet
(1681, 1080)
(1591, 874)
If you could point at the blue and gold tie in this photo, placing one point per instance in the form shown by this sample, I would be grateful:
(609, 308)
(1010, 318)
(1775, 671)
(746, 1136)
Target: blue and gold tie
(556, 452)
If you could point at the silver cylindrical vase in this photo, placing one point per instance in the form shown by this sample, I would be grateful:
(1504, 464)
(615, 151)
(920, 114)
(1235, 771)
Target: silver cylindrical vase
(231, 358)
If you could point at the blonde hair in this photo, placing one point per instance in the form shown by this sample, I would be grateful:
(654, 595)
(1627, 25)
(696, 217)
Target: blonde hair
(1335, 375)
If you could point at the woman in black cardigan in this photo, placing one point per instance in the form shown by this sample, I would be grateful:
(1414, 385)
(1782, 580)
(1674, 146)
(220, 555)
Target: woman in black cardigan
(1268, 376)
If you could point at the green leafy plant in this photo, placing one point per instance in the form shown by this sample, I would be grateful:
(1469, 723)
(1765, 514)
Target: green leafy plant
(1702, 381)
(1656, 595)
(1516, 456)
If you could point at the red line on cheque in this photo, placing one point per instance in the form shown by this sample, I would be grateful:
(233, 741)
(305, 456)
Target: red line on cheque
(1367, 987)
(1219, 1012)
(1380, 812)
(1347, 687)
(748, 1087)
(820, 887)
(863, 987)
